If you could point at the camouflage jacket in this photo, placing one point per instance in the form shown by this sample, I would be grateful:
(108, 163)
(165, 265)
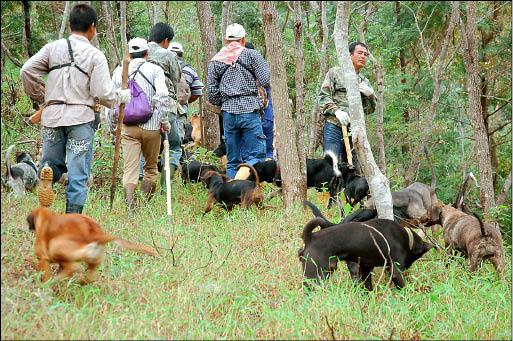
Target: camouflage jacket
(333, 96)
(168, 61)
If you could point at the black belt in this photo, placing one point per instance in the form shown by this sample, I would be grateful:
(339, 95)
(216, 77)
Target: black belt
(62, 102)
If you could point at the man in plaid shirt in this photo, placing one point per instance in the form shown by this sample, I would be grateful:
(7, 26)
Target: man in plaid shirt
(231, 84)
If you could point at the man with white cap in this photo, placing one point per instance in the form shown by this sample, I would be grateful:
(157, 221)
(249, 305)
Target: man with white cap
(231, 84)
(143, 137)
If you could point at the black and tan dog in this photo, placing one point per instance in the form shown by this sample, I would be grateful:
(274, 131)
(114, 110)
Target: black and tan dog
(379, 242)
(22, 176)
(355, 186)
(232, 192)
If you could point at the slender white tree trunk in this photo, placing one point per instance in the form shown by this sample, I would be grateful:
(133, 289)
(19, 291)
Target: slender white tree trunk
(378, 183)
(65, 18)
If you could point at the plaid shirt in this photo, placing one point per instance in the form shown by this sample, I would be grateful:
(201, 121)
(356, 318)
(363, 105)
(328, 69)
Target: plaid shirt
(234, 87)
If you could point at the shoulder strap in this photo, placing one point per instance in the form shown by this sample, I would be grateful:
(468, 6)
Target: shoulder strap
(142, 74)
(71, 63)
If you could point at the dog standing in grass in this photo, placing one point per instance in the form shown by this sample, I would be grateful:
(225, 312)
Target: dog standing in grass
(67, 239)
(232, 192)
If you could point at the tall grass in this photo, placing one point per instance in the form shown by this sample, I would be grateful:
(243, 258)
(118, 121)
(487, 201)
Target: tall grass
(232, 276)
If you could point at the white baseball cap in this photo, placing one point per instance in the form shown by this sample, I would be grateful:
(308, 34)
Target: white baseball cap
(137, 45)
(177, 47)
(235, 32)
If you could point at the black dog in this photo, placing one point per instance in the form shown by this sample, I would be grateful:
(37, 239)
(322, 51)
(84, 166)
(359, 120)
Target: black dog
(356, 187)
(232, 192)
(378, 242)
(188, 133)
(320, 173)
(193, 170)
(22, 175)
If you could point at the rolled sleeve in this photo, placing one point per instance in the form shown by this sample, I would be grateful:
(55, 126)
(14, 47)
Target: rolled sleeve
(213, 93)
(32, 73)
(325, 98)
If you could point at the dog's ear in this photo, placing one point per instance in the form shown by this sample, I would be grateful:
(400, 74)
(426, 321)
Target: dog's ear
(30, 221)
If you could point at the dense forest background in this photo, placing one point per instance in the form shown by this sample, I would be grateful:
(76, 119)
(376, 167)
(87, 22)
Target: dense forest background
(404, 37)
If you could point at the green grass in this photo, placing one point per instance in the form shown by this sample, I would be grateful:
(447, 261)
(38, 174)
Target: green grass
(232, 276)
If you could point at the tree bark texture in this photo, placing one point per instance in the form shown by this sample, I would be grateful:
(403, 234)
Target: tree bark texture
(471, 61)
(378, 183)
(226, 17)
(122, 23)
(378, 71)
(316, 123)
(430, 117)
(27, 29)
(65, 18)
(300, 96)
(208, 40)
(111, 36)
(294, 181)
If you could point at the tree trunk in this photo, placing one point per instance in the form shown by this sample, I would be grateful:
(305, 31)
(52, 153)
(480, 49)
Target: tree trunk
(27, 30)
(65, 18)
(300, 105)
(505, 189)
(111, 36)
(315, 115)
(122, 22)
(208, 40)
(226, 17)
(471, 61)
(293, 179)
(379, 103)
(436, 76)
(405, 148)
(378, 183)
(155, 10)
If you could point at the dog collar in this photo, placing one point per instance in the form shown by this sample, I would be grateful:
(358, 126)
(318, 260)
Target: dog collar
(410, 237)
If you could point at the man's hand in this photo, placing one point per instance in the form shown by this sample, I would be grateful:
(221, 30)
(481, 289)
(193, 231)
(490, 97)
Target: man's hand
(365, 89)
(123, 96)
(342, 116)
(165, 126)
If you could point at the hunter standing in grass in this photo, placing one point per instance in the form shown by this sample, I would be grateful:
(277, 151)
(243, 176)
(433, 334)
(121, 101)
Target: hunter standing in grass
(78, 74)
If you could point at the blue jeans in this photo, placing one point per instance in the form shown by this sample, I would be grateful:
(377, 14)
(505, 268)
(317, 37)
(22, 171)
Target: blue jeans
(175, 146)
(334, 141)
(268, 130)
(70, 149)
(246, 129)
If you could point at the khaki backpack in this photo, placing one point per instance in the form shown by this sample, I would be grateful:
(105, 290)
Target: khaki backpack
(183, 91)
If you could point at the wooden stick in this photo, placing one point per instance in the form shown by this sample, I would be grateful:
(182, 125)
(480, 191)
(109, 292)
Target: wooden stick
(348, 147)
(168, 176)
(124, 85)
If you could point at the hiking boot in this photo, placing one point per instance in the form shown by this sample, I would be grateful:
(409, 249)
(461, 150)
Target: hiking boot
(45, 192)
(129, 196)
(74, 208)
(148, 188)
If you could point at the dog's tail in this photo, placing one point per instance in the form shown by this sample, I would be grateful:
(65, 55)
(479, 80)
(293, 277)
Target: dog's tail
(309, 227)
(333, 159)
(105, 238)
(8, 161)
(253, 170)
(317, 213)
(461, 194)
(481, 225)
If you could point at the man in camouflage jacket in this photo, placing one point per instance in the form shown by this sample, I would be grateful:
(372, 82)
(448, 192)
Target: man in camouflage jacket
(335, 107)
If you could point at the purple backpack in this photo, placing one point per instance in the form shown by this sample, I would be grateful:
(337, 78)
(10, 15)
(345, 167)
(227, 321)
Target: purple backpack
(138, 110)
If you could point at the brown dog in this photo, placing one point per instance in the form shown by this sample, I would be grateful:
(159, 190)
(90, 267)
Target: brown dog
(232, 192)
(477, 241)
(67, 239)
(196, 129)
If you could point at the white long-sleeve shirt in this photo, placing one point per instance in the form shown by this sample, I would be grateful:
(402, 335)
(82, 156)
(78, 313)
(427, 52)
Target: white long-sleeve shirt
(159, 98)
(68, 85)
